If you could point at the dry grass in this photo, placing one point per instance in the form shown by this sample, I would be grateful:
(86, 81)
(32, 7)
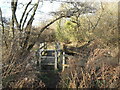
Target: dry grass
(20, 72)
(100, 70)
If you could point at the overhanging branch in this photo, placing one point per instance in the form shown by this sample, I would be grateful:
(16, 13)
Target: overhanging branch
(26, 17)
(14, 7)
(49, 25)
(24, 12)
(2, 24)
(32, 16)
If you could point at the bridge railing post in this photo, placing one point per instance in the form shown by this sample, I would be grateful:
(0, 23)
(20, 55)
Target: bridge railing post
(56, 60)
(40, 66)
(63, 62)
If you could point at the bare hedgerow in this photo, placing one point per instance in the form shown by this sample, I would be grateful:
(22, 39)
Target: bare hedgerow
(100, 70)
(21, 73)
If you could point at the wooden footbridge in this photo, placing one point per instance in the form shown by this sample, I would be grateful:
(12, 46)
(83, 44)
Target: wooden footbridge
(51, 59)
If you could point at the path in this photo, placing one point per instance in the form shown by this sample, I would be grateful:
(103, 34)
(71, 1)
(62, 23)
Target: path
(50, 78)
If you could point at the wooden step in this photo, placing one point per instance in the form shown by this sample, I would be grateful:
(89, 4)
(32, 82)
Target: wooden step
(47, 63)
(47, 57)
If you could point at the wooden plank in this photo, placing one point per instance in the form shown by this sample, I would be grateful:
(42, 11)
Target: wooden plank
(48, 61)
(63, 62)
(50, 50)
(47, 57)
(65, 65)
(47, 64)
(55, 60)
(40, 62)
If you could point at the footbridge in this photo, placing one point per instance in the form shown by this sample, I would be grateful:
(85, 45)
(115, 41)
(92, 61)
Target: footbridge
(52, 59)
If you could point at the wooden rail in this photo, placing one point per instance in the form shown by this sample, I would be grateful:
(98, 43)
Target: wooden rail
(51, 57)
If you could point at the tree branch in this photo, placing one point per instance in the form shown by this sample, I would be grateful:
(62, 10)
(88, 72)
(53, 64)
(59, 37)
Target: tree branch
(29, 26)
(49, 24)
(31, 45)
(24, 12)
(14, 7)
(32, 16)
(2, 20)
(3, 29)
(26, 17)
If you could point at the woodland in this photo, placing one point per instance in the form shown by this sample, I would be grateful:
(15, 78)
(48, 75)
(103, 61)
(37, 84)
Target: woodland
(88, 32)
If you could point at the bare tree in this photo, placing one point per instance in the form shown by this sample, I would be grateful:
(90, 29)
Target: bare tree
(22, 29)
(1, 19)
(19, 45)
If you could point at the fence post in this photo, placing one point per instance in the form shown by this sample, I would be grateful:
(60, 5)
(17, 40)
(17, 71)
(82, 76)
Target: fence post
(55, 60)
(40, 55)
(63, 62)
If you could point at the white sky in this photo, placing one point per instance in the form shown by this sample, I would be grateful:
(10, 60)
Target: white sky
(45, 8)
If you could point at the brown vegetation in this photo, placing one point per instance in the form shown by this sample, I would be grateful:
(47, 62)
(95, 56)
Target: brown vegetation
(91, 41)
(99, 70)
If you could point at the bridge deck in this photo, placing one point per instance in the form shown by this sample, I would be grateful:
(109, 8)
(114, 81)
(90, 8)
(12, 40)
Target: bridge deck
(51, 59)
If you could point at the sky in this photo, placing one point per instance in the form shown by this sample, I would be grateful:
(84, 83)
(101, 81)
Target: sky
(43, 11)
(41, 14)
